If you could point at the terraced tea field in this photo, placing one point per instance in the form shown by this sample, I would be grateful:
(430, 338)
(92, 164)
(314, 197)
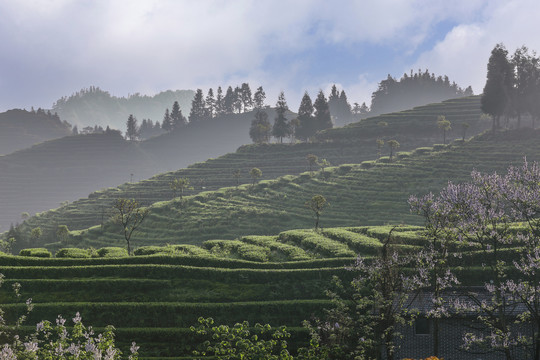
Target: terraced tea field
(372, 193)
(153, 299)
(273, 159)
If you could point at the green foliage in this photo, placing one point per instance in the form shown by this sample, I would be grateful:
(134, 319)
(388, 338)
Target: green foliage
(36, 252)
(241, 342)
(72, 253)
(112, 251)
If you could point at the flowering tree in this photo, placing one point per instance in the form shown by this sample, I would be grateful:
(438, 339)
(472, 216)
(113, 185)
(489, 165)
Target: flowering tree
(495, 213)
(365, 319)
(50, 341)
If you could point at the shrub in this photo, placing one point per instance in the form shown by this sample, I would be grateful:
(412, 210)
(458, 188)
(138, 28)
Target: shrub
(36, 252)
(112, 252)
(72, 253)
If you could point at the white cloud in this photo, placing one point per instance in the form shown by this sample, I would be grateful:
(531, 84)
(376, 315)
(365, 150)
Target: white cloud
(464, 52)
(152, 45)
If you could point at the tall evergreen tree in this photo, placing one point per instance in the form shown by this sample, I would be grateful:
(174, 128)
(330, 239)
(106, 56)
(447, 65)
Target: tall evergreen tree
(259, 97)
(198, 110)
(220, 106)
(228, 101)
(167, 121)
(523, 64)
(322, 113)
(281, 126)
(497, 90)
(210, 104)
(132, 132)
(306, 126)
(247, 100)
(238, 104)
(177, 119)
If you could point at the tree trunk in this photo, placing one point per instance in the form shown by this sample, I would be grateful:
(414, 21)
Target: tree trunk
(129, 247)
(316, 221)
(436, 337)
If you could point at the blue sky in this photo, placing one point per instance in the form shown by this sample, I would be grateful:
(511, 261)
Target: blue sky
(52, 48)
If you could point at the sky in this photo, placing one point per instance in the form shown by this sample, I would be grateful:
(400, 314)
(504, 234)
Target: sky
(53, 48)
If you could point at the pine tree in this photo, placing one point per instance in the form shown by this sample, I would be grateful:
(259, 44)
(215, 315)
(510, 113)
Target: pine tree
(259, 97)
(132, 132)
(281, 126)
(306, 127)
(177, 119)
(197, 107)
(247, 101)
(228, 101)
(220, 106)
(497, 90)
(238, 104)
(322, 113)
(167, 122)
(210, 104)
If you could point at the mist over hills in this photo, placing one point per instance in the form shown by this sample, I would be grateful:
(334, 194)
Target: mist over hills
(352, 144)
(94, 106)
(66, 169)
(20, 129)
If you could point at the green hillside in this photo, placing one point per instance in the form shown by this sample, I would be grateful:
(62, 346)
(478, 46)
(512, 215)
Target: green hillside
(273, 159)
(20, 129)
(154, 299)
(366, 194)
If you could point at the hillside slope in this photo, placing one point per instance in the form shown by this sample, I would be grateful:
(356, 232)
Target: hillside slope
(41, 177)
(273, 159)
(367, 194)
(20, 129)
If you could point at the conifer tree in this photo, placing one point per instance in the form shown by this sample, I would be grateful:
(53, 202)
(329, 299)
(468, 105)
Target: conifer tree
(220, 107)
(228, 101)
(167, 122)
(281, 126)
(247, 100)
(496, 93)
(198, 110)
(132, 132)
(306, 126)
(259, 97)
(238, 104)
(177, 119)
(322, 113)
(210, 104)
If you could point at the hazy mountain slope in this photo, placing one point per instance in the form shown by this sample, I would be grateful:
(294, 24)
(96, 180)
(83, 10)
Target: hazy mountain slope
(366, 194)
(273, 159)
(40, 178)
(20, 129)
(94, 106)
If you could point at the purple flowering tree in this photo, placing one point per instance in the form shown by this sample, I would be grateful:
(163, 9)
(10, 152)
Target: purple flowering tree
(499, 216)
(368, 311)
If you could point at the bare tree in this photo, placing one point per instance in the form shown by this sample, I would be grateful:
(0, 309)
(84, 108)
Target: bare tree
(130, 215)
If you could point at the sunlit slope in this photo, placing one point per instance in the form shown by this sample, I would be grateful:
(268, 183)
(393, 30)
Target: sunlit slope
(274, 160)
(153, 299)
(366, 194)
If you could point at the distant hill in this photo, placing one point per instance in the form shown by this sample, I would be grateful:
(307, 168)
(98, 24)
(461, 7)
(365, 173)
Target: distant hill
(348, 145)
(94, 106)
(20, 129)
(412, 90)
